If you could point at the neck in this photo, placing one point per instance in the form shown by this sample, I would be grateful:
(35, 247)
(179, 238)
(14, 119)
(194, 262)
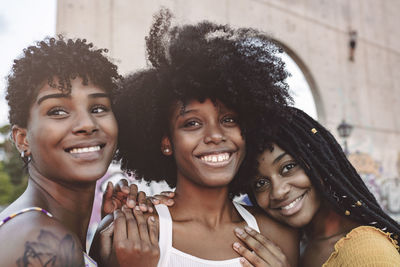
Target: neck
(208, 205)
(328, 224)
(70, 204)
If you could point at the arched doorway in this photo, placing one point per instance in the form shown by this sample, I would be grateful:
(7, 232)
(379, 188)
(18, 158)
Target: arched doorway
(302, 85)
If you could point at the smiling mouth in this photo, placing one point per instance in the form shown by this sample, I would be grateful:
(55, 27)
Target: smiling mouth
(216, 158)
(293, 206)
(79, 150)
(293, 203)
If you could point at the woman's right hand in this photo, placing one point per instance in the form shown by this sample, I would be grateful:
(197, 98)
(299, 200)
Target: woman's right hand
(123, 193)
(135, 239)
(265, 253)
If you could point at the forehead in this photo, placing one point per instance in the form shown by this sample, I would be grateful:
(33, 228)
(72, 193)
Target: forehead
(268, 156)
(182, 107)
(77, 87)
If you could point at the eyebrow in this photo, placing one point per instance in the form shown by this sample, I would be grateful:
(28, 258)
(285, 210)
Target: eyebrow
(61, 95)
(184, 112)
(278, 158)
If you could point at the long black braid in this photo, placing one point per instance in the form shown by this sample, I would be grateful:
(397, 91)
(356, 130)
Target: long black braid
(323, 160)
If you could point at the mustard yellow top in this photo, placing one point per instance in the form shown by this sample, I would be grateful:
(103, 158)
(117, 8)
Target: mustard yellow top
(365, 246)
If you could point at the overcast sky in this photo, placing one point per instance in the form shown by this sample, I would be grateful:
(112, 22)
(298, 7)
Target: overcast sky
(22, 22)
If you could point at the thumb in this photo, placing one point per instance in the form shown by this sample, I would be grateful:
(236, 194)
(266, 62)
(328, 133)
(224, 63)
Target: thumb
(108, 205)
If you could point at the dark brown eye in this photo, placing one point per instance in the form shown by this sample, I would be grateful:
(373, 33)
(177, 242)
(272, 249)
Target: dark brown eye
(288, 167)
(261, 184)
(57, 112)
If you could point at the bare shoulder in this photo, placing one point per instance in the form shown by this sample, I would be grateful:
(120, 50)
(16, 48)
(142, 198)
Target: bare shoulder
(285, 237)
(271, 227)
(34, 239)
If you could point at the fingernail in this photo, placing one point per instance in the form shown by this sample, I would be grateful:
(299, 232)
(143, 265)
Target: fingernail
(236, 245)
(126, 188)
(137, 208)
(248, 229)
(151, 210)
(152, 219)
(242, 260)
(239, 231)
(170, 201)
(131, 203)
(155, 201)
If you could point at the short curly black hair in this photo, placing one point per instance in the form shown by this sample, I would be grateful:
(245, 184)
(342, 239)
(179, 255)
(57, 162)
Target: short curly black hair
(238, 67)
(316, 150)
(56, 58)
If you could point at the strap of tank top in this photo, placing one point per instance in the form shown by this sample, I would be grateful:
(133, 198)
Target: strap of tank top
(165, 236)
(247, 216)
(24, 211)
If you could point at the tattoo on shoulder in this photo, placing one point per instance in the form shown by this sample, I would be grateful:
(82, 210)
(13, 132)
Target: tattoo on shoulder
(49, 251)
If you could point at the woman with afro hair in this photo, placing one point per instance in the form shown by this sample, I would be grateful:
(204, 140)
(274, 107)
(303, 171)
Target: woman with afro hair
(303, 179)
(185, 120)
(59, 93)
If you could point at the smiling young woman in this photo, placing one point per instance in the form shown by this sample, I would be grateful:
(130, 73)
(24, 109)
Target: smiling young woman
(303, 179)
(59, 93)
(184, 120)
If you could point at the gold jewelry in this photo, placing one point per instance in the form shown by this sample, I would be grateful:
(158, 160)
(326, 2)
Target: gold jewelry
(314, 131)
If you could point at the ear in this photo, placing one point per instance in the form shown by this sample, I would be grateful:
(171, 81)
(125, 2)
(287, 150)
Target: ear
(166, 147)
(20, 139)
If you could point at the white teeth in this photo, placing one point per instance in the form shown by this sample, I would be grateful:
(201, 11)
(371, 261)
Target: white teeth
(291, 205)
(84, 149)
(215, 158)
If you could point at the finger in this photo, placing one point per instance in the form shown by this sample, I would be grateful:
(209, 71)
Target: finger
(142, 201)
(131, 225)
(119, 226)
(169, 194)
(245, 263)
(153, 225)
(142, 225)
(255, 245)
(107, 205)
(251, 258)
(161, 199)
(150, 205)
(105, 237)
(131, 199)
(121, 188)
(266, 243)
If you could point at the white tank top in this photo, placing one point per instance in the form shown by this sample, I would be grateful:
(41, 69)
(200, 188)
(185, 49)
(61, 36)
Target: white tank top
(171, 257)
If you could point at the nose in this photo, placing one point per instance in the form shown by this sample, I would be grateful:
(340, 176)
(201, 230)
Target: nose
(280, 190)
(85, 123)
(214, 134)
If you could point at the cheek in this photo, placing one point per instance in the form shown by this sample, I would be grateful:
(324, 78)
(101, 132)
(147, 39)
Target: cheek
(315, 199)
(262, 199)
(111, 129)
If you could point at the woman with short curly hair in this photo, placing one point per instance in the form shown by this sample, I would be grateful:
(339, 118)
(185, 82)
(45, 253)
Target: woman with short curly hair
(60, 97)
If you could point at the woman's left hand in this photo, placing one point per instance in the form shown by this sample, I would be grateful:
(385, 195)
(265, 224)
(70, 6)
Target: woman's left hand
(265, 253)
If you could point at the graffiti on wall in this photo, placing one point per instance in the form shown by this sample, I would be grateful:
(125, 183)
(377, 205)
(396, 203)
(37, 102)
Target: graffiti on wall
(385, 189)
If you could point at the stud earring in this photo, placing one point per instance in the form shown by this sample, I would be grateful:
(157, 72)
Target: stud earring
(167, 150)
(22, 154)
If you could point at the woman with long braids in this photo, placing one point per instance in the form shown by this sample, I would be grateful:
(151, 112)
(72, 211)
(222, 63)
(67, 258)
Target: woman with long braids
(303, 179)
